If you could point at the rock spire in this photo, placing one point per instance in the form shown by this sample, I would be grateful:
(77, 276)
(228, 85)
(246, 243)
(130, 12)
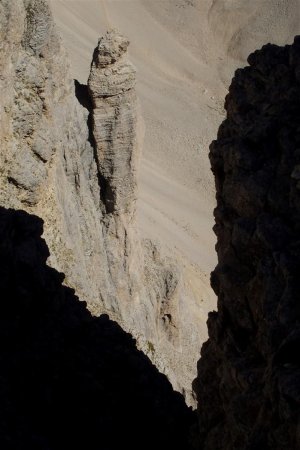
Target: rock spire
(112, 89)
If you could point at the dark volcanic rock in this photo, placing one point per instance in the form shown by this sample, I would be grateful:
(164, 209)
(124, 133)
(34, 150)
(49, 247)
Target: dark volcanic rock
(69, 380)
(248, 383)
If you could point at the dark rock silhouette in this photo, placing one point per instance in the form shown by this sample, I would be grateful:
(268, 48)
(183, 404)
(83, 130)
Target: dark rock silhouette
(67, 379)
(248, 384)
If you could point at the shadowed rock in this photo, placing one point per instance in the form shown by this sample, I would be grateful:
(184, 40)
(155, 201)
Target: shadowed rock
(248, 384)
(67, 379)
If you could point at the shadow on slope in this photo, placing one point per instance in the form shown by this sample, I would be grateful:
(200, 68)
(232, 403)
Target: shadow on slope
(69, 380)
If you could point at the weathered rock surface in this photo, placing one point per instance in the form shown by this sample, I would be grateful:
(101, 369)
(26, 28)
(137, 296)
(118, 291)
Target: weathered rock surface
(112, 89)
(248, 384)
(68, 379)
(81, 179)
(47, 163)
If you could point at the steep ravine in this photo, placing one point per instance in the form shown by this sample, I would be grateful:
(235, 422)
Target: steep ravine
(69, 375)
(248, 384)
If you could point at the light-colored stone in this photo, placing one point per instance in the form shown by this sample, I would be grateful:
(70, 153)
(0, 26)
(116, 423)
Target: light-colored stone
(111, 85)
(84, 192)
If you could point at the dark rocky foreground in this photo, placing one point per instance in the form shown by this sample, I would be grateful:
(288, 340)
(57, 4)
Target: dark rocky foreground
(248, 384)
(69, 380)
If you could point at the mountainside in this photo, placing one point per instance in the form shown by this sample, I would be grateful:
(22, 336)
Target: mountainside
(248, 384)
(70, 373)
(184, 52)
(239, 27)
(70, 154)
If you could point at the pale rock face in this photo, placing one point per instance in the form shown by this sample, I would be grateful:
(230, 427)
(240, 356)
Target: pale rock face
(111, 86)
(47, 163)
(85, 192)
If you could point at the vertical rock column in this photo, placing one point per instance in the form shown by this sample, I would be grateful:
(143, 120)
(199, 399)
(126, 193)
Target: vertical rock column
(111, 86)
(112, 89)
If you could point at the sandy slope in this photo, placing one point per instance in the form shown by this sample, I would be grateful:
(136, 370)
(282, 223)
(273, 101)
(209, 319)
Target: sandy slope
(185, 52)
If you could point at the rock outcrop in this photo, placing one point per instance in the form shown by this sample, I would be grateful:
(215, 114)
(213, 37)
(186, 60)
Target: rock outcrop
(68, 379)
(47, 162)
(248, 384)
(72, 161)
(114, 123)
(112, 90)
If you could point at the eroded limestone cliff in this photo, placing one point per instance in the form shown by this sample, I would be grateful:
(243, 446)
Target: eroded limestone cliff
(73, 161)
(248, 384)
